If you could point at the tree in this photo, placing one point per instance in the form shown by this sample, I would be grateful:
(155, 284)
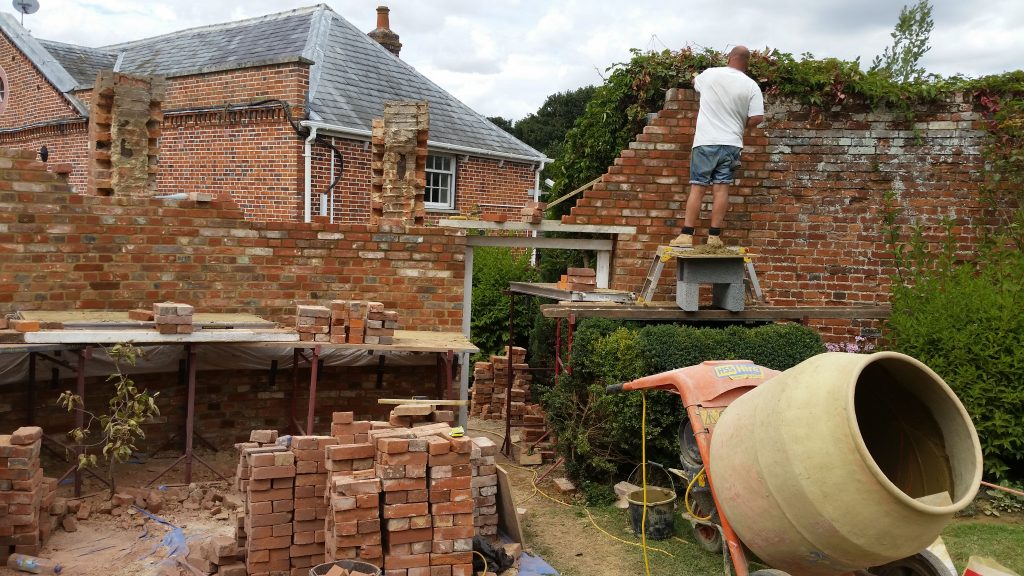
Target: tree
(121, 426)
(545, 130)
(909, 43)
(503, 123)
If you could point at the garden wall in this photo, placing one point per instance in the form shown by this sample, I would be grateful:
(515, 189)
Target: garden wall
(808, 200)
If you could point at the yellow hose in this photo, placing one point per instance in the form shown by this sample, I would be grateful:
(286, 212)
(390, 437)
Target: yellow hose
(482, 558)
(643, 475)
(686, 497)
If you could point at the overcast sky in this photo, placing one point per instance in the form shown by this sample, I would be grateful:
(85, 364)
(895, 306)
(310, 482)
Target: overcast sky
(503, 57)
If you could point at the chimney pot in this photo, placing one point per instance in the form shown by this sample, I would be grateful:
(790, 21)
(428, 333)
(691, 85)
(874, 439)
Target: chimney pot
(383, 22)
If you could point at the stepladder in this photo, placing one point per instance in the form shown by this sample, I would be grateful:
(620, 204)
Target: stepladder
(730, 272)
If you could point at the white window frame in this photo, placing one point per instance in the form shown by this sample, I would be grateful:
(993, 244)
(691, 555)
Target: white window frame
(450, 204)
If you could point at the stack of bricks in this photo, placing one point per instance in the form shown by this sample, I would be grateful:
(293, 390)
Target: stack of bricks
(352, 523)
(451, 505)
(485, 488)
(268, 504)
(399, 164)
(481, 402)
(310, 502)
(339, 321)
(172, 318)
(578, 279)
(417, 415)
(533, 212)
(380, 324)
(356, 332)
(401, 465)
(313, 323)
(21, 493)
(216, 555)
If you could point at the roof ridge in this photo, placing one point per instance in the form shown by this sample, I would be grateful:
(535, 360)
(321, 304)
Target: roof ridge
(221, 26)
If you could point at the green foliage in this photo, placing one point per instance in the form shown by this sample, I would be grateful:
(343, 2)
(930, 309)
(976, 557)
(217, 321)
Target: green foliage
(998, 502)
(493, 269)
(962, 319)
(545, 130)
(909, 43)
(1003, 191)
(600, 434)
(121, 426)
(503, 123)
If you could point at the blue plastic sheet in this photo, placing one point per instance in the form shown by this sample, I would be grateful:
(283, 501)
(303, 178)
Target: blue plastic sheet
(530, 565)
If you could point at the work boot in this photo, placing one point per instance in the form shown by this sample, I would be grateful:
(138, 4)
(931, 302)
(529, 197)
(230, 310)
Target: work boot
(682, 241)
(715, 241)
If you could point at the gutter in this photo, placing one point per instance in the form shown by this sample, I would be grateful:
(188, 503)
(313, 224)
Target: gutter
(363, 134)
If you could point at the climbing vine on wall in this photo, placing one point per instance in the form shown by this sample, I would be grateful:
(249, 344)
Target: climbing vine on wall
(633, 89)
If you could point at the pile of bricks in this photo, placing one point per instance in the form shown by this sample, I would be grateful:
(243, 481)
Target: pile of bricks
(533, 212)
(481, 402)
(15, 327)
(171, 317)
(347, 322)
(403, 498)
(416, 415)
(485, 487)
(29, 508)
(578, 279)
(490, 384)
(313, 323)
(216, 555)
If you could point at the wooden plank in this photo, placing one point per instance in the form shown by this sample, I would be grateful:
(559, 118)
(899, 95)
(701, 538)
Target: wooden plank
(394, 401)
(601, 245)
(154, 337)
(552, 291)
(508, 518)
(544, 226)
(573, 193)
(115, 319)
(406, 341)
(666, 311)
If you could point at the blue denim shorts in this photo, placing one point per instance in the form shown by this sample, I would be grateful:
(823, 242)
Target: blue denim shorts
(713, 164)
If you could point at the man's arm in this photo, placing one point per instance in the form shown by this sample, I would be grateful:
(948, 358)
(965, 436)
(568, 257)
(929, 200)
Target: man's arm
(754, 120)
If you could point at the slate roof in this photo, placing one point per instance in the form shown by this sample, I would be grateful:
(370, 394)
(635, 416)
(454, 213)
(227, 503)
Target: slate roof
(80, 62)
(351, 75)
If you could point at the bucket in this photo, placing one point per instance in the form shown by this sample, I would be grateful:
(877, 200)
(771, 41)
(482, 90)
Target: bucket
(843, 462)
(356, 567)
(660, 511)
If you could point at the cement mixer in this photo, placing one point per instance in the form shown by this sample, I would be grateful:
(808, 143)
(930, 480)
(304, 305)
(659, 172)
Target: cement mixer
(844, 465)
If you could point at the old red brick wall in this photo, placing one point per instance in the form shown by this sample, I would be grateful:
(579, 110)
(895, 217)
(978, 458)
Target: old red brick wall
(229, 403)
(65, 143)
(352, 193)
(63, 251)
(29, 98)
(808, 200)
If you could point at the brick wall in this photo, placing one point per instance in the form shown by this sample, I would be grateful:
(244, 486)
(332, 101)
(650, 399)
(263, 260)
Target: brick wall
(63, 251)
(30, 97)
(67, 143)
(230, 402)
(808, 200)
(351, 194)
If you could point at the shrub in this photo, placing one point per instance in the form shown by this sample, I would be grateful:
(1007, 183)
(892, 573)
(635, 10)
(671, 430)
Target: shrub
(493, 269)
(599, 435)
(963, 319)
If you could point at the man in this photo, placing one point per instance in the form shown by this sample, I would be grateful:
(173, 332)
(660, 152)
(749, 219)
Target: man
(730, 102)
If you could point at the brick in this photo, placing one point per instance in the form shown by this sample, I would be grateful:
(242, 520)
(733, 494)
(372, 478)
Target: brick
(26, 435)
(349, 451)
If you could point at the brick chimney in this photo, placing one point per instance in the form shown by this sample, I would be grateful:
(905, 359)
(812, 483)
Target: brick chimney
(383, 34)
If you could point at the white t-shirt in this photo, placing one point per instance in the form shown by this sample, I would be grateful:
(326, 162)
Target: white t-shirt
(727, 98)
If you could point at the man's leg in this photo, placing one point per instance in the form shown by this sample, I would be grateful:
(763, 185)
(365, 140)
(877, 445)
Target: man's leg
(719, 206)
(693, 204)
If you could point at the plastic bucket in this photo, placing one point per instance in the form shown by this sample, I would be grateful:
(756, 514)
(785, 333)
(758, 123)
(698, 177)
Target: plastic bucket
(660, 512)
(355, 565)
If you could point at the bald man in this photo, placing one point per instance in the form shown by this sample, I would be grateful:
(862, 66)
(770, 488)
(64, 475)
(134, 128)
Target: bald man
(730, 102)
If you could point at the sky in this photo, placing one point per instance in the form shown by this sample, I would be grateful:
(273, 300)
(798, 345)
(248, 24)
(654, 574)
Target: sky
(504, 57)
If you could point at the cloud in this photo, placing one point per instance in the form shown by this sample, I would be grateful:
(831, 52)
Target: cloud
(504, 57)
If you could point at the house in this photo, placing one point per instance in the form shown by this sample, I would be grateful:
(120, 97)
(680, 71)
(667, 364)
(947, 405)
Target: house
(247, 110)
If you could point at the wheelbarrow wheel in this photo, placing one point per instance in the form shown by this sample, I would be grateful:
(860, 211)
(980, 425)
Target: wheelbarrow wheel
(689, 453)
(708, 537)
(923, 563)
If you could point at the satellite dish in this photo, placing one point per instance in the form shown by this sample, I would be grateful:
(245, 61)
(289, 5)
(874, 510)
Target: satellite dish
(26, 6)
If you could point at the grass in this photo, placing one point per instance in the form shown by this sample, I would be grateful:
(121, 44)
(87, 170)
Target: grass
(1002, 541)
